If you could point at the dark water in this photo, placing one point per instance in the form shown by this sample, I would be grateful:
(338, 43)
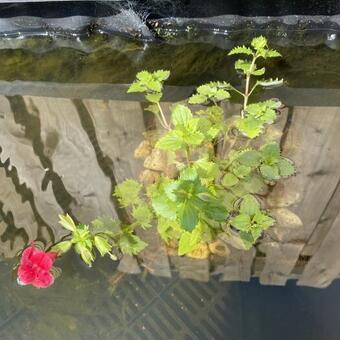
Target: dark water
(87, 305)
(67, 132)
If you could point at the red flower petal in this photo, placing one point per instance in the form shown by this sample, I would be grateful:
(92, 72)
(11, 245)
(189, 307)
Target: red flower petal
(35, 266)
(27, 254)
(26, 274)
(43, 261)
(44, 279)
(52, 255)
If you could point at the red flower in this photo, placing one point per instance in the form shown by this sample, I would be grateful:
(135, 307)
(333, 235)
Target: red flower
(35, 267)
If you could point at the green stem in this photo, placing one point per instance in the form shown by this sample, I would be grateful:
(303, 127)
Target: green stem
(236, 90)
(61, 240)
(247, 93)
(161, 121)
(162, 116)
(188, 155)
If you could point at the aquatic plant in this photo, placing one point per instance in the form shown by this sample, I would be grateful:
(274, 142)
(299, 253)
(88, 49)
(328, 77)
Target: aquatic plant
(211, 170)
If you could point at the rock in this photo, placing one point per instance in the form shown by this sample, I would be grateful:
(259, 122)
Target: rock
(143, 150)
(286, 218)
(219, 248)
(149, 177)
(201, 252)
(233, 239)
(157, 160)
(283, 196)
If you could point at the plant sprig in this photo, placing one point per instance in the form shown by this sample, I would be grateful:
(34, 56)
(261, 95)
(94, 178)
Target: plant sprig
(209, 196)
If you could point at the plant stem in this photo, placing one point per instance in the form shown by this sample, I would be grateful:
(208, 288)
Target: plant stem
(162, 116)
(188, 154)
(236, 90)
(246, 92)
(161, 121)
(61, 240)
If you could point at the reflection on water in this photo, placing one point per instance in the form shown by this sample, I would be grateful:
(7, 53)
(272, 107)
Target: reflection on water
(66, 153)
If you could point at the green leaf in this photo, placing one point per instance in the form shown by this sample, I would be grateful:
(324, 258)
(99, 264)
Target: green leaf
(216, 211)
(263, 220)
(153, 97)
(259, 43)
(154, 86)
(106, 225)
(136, 87)
(102, 244)
(254, 184)
(214, 91)
(164, 207)
(241, 50)
(188, 174)
(189, 241)
(128, 192)
(207, 90)
(270, 153)
(286, 167)
(143, 215)
(256, 232)
(221, 95)
(213, 132)
(161, 75)
(259, 72)
(197, 99)
(82, 236)
(62, 247)
(160, 201)
(265, 111)
(180, 115)
(247, 239)
(188, 215)
(272, 54)
(239, 189)
(270, 83)
(229, 180)
(241, 171)
(241, 222)
(250, 158)
(153, 108)
(206, 169)
(249, 205)
(85, 253)
(228, 199)
(67, 222)
(189, 190)
(243, 65)
(168, 229)
(250, 126)
(270, 172)
(194, 138)
(144, 76)
(171, 141)
(131, 244)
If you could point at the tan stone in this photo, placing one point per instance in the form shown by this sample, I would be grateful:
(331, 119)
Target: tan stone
(157, 160)
(283, 196)
(143, 150)
(201, 252)
(148, 176)
(233, 239)
(219, 248)
(286, 218)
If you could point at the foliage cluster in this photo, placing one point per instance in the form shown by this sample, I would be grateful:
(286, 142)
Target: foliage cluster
(217, 187)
